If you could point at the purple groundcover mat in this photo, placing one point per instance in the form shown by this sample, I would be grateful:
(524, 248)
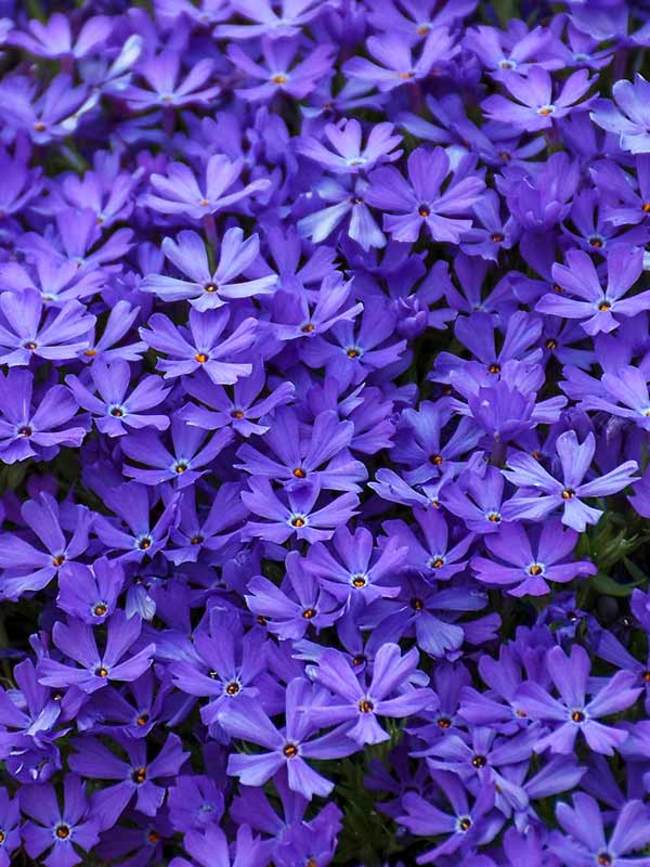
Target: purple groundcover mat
(324, 423)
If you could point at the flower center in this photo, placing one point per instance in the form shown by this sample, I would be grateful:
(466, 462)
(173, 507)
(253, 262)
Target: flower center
(25, 431)
(494, 517)
(497, 237)
(551, 343)
(232, 688)
(90, 353)
(479, 761)
(102, 671)
(353, 352)
(309, 613)
(62, 831)
(180, 467)
(100, 609)
(139, 775)
(604, 859)
(238, 414)
(290, 751)
(142, 720)
(201, 357)
(604, 306)
(506, 64)
(279, 78)
(359, 581)
(437, 562)
(545, 110)
(308, 328)
(298, 522)
(465, 823)
(436, 460)
(196, 540)
(145, 543)
(494, 368)
(358, 660)
(210, 287)
(577, 716)
(366, 706)
(444, 722)
(568, 494)
(116, 411)
(153, 837)
(424, 211)
(596, 242)
(39, 126)
(417, 604)
(299, 473)
(535, 569)
(59, 560)
(646, 207)
(31, 346)
(407, 76)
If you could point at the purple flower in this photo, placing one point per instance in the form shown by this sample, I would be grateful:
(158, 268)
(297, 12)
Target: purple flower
(61, 831)
(597, 308)
(286, 748)
(396, 64)
(354, 702)
(536, 107)
(421, 201)
(572, 713)
(278, 72)
(586, 842)
(54, 38)
(162, 74)
(90, 594)
(200, 346)
(77, 641)
(145, 779)
(627, 116)
(27, 430)
(528, 567)
(351, 156)
(180, 193)
(10, 824)
(541, 493)
(209, 289)
(115, 412)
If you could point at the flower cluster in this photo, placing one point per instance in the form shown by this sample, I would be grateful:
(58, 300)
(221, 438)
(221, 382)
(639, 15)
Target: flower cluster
(324, 415)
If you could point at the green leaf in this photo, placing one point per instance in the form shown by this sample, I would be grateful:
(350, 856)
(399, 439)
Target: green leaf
(604, 584)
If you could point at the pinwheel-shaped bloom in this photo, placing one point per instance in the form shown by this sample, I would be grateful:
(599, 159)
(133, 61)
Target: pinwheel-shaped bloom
(192, 454)
(586, 841)
(26, 429)
(359, 572)
(541, 493)
(438, 557)
(54, 39)
(350, 155)
(536, 107)
(207, 289)
(572, 713)
(63, 831)
(300, 602)
(280, 73)
(422, 201)
(142, 537)
(361, 704)
(625, 395)
(179, 192)
(598, 309)
(138, 777)
(77, 641)
(286, 748)
(628, 116)
(396, 64)
(115, 412)
(294, 512)
(464, 827)
(167, 88)
(28, 568)
(55, 114)
(201, 346)
(532, 558)
(198, 532)
(28, 330)
(90, 594)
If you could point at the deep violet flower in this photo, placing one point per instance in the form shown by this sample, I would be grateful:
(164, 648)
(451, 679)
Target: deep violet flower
(421, 201)
(572, 712)
(208, 289)
(541, 493)
(63, 832)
